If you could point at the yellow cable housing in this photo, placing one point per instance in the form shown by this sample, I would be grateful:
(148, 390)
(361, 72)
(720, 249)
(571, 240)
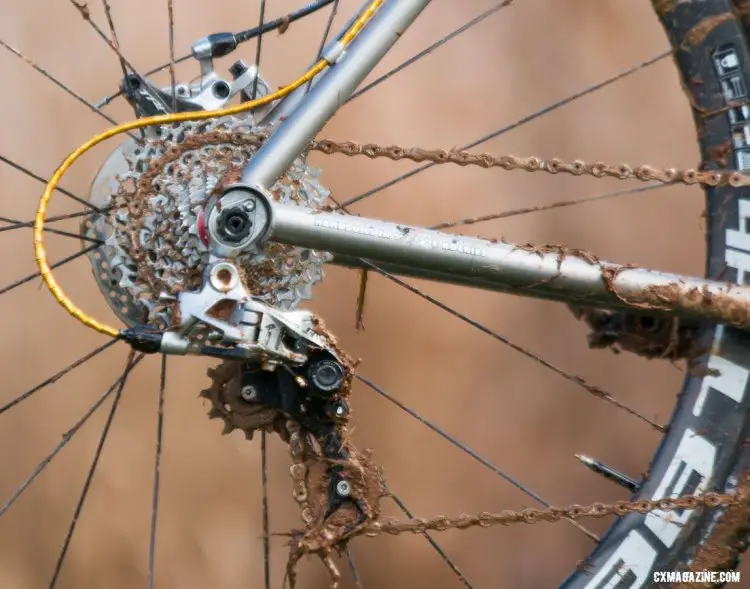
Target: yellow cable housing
(40, 251)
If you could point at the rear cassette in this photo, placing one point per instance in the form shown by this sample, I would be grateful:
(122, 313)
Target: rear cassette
(155, 195)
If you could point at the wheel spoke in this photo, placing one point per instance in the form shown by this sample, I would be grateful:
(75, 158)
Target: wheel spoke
(115, 40)
(16, 223)
(324, 38)
(327, 31)
(21, 224)
(57, 82)
(157, 466)
(464, 448)
(90, 475)
(554, 205)
(54, 378)
(353, 567)
(514, 125)
(577, 380)
(450, 36)
(266, 534)
(259, 46)
(36, 274)
(67, 437)
(121, 59)
(172, 78)
(433, 543)
(85, 13)
(39, 178)
(243, 36)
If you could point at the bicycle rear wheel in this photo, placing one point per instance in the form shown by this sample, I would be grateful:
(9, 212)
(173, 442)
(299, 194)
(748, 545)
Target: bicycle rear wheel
(703, 35)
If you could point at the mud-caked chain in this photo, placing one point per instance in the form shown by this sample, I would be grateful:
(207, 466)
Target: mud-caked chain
(461, 157)
(298, 470)
(394, 526)
(296, 434)
(550, 515)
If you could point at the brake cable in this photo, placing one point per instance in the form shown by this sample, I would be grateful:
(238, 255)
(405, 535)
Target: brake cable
(40, 251)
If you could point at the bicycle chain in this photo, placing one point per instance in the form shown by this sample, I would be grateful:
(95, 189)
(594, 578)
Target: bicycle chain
(485, 519)
(460, 157)
(292, 432)
(320, 537)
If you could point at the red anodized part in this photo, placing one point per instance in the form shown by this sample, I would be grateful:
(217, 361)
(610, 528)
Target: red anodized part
(202, 233)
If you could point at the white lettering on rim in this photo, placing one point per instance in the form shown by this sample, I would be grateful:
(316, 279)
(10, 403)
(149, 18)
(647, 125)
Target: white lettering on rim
(688, 474)
(629, 566)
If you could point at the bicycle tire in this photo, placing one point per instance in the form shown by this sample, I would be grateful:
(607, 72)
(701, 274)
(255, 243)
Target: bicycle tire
(705, 448)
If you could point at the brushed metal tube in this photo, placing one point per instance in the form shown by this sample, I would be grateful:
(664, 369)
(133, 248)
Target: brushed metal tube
(289, 103)
(570, 276)
(333, 90)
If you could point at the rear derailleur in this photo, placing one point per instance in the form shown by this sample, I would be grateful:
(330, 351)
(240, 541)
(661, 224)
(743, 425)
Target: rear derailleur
(282, 372)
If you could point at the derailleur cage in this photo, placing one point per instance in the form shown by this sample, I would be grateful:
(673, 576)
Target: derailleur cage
(311, 394)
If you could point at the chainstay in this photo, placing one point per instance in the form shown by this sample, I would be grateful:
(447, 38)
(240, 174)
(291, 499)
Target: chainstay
(507, 162)
(622, 171)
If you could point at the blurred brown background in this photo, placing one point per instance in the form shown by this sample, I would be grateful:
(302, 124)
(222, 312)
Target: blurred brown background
(520, 416)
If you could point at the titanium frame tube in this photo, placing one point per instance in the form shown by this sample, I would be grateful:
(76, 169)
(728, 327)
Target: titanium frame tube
(572, 276)
(290, 103)
(324, 99)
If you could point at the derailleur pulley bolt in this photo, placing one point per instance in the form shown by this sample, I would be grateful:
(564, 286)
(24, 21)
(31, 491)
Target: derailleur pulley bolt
(340, 410)
(249, 393)
(327, 375)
